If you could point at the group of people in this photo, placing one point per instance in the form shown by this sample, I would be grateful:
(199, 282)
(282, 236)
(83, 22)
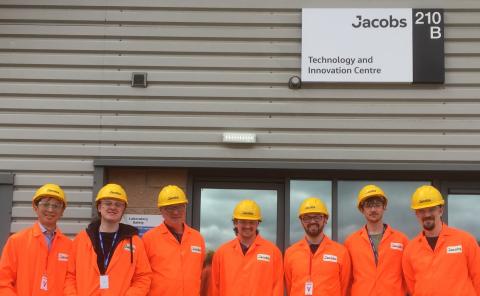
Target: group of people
(109, 258)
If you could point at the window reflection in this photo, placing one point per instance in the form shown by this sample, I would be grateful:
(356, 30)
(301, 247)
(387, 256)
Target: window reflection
(463, 211)
(216, 213)
(398, 214)
(301, 189)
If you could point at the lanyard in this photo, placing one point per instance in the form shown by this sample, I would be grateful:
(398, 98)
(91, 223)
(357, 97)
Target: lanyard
(106, 258)
(374, 249)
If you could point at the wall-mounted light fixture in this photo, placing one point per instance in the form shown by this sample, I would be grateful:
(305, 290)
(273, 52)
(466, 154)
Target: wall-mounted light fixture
(239, 138)
(139, 79)
(295, 82)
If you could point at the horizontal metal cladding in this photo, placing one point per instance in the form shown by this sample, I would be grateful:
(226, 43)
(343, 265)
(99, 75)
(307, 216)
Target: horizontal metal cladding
(213, 66)
(75, 178)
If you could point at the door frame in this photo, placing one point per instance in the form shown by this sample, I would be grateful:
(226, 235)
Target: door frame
(457, 187)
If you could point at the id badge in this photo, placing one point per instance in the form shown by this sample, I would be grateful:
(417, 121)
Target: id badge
(104, 282)
(309, 288)
(44, 283)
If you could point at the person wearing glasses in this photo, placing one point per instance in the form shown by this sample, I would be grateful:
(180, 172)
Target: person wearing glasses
(248, 264)
(376, 249)
(108, 258)
(316, 265)
(175, 250)
(34, 260)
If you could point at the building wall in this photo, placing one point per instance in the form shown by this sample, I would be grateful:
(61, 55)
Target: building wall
(213, 66)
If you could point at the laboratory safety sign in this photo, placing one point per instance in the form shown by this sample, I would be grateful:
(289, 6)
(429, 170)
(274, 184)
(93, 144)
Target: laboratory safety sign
(398, 45)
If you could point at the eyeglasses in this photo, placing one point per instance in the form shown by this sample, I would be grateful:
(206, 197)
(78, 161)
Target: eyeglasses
(373, 204)
(312, 218)
(174, 208)
(111, 204)
(52, 206)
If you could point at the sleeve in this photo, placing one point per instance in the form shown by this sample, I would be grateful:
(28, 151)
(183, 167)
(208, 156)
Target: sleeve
(214, 289)
(288, 272)
(408, 271)
(142, 276)
(278, 270)
(474, 264)
(346, 273)
(70, 288)
(8, 269)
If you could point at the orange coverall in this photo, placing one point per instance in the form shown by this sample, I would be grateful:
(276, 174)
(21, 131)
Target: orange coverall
(328, 269)
(125, 277)
(453, 269)
(257, 273)
(177, 267)
(25, 259)
(386, 278)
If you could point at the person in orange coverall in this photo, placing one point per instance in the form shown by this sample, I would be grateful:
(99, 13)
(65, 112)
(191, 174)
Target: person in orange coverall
(316, 265)
(34, 260)
(248, 264)
(175, 250)
(441, 260)
(376, 249)
(108, 258)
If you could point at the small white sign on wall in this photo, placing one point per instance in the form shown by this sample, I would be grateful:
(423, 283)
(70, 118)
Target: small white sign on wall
(142, 222)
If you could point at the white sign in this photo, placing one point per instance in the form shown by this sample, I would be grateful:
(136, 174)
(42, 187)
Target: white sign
(142, 222)
(357, 45)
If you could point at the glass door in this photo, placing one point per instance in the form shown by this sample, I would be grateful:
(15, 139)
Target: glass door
(215, 202)
(463, 206)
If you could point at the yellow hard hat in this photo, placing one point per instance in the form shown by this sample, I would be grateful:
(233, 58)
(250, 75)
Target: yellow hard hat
(312, 205)
(171, 195)
(426, 196)
(247, 210)
(50, 190)
(113, 191)
(370, 191)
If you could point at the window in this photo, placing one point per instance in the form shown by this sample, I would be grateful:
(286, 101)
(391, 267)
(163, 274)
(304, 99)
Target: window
(398, 214)
(301, 189)
(216, 210)
(462, 212)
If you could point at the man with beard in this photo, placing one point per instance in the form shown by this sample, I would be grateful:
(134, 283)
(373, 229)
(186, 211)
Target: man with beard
(441, 260)
(248, 264)
(376, 249)
(316, 265)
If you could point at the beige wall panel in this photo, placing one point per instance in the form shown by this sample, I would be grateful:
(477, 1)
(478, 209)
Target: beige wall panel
(154, 32)
(180, 76)
(44, 165)
(75, 196)
(358, 138)
(70, 212)
(64, 180)
(246, 4)
(68, 228)
(229, 93)
(411, 108)
(150, 61)
(49, 119)
(299, 123)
